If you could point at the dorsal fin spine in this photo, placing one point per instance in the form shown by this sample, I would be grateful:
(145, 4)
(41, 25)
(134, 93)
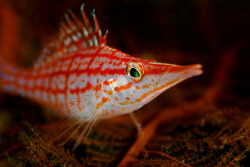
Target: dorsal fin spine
(76, 19)
(79, 24)
(105, 37)
(85, 18)
(97, 29)
(70, 23)
(68, 36)
(73, 31)
(73, 34)
(95, 35)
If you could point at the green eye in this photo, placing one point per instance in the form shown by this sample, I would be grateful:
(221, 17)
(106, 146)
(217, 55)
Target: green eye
(134, 73)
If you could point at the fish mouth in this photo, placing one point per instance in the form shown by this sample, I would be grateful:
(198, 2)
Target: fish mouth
(177, 74)
(195, 69)
(192, 70)
(173, 76)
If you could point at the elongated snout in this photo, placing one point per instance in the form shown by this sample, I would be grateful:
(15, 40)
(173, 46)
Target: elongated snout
(174, 74)
(193, 70)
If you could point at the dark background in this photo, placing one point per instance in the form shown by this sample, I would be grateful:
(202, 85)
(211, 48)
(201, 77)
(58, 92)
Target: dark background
(208, 32)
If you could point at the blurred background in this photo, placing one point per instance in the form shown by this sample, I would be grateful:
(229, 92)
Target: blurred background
(214, 33)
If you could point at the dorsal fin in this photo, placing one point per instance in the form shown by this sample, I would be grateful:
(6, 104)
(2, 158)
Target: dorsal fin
(74, 34)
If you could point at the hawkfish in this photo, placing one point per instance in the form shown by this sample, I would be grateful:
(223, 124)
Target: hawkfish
(81, 78)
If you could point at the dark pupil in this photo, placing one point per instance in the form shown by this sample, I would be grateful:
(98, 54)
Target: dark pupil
(134, 73)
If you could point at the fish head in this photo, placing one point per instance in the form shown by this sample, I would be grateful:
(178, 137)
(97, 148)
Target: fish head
(143, 80)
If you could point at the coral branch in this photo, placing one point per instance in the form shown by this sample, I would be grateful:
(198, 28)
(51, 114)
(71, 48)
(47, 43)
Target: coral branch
(11, 149)
(169, 157)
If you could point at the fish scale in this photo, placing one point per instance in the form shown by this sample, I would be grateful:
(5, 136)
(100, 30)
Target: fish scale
(82, 78)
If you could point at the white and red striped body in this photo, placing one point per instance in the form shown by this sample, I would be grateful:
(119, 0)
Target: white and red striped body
(94, 77)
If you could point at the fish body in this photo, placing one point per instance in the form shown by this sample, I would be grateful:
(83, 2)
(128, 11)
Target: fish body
(95, 78)
(83, 78)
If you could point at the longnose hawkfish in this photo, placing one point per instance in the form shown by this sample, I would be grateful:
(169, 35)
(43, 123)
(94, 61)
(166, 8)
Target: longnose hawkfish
(83, 79)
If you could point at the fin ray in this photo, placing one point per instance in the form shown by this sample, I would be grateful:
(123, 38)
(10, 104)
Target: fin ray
(88, 128)
(91, 116)
(74, 34)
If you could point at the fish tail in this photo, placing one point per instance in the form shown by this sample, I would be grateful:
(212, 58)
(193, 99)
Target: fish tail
(9, 74)
(2, 76)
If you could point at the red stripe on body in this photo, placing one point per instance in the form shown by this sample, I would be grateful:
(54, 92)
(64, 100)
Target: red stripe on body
(44, 75)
